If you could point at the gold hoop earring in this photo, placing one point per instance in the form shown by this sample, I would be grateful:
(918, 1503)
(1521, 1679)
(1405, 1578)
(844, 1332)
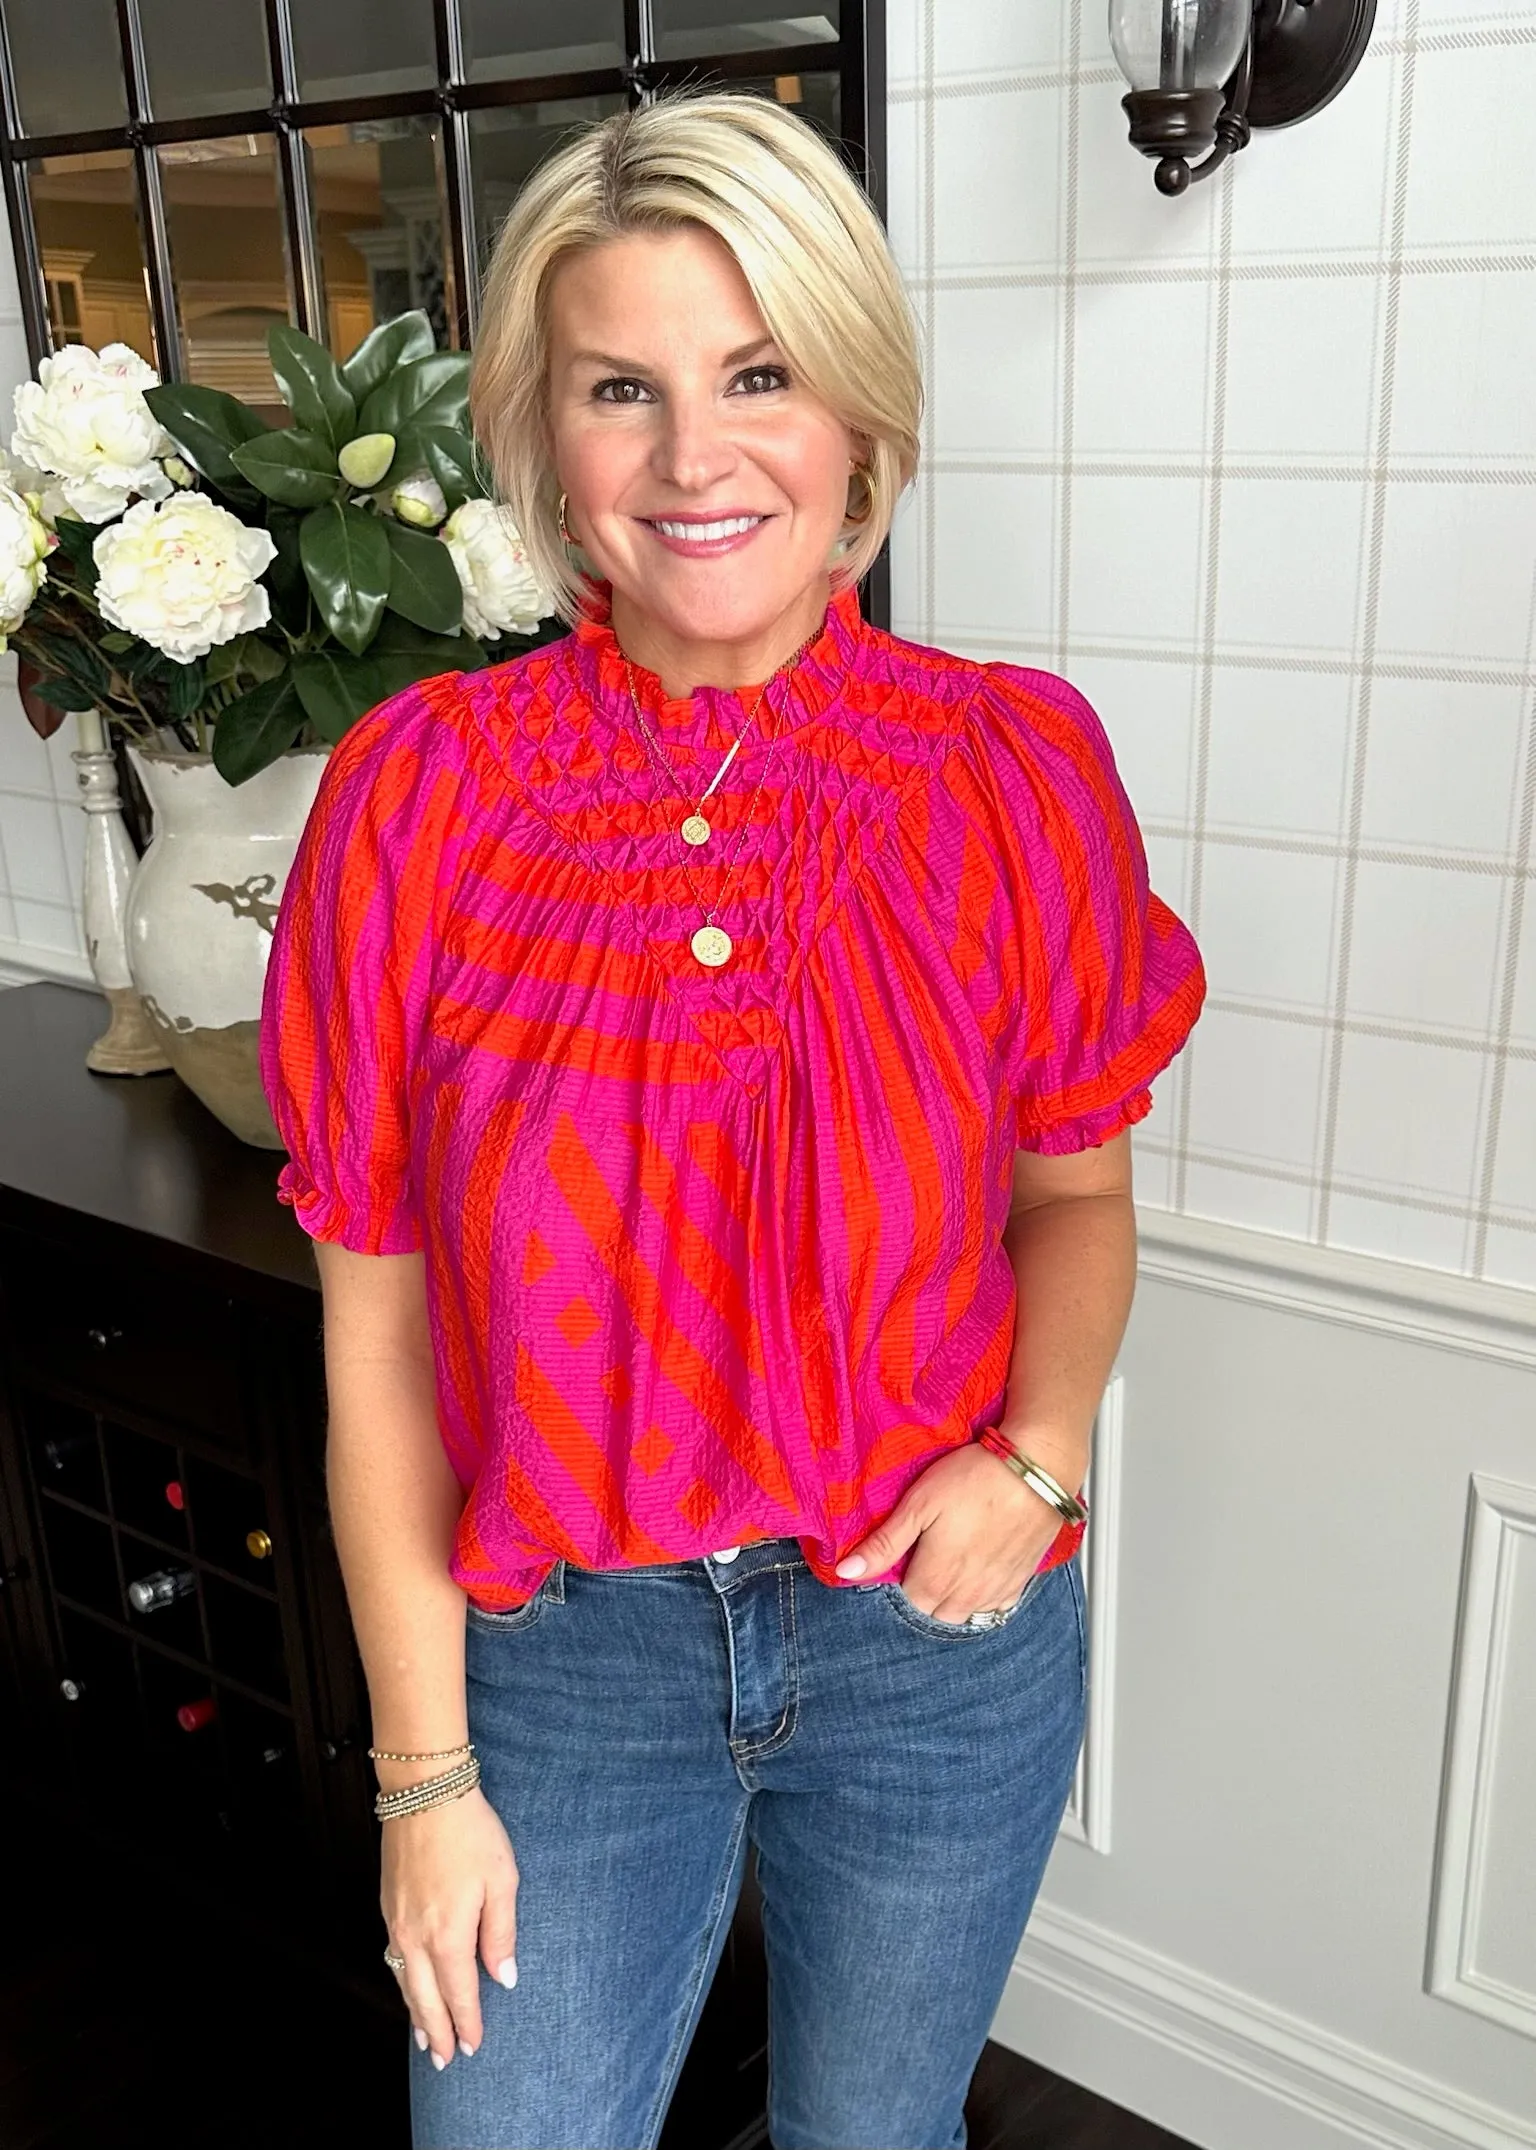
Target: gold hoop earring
(865, 472)
(565, 536)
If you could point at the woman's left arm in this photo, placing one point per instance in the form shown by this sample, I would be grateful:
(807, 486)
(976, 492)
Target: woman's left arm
(978, 1531)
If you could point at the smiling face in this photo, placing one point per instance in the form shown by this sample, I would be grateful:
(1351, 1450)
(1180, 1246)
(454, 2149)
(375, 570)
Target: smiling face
(704, 482)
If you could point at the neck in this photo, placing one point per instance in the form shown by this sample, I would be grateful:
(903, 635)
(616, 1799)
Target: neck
(684, 662)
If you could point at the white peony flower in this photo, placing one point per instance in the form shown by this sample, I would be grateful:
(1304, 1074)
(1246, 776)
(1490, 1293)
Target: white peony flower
(24, 540)
(84, 421)
(34, 486)
(419, 501)
(500, 592)
(183, 575)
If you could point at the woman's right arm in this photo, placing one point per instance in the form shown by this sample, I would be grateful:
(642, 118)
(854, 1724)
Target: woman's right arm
(449, 1876)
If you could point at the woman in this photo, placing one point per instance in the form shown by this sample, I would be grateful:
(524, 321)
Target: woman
(706, 1047)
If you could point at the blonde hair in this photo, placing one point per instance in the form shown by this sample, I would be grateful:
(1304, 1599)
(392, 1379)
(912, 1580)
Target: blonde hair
(805, 238)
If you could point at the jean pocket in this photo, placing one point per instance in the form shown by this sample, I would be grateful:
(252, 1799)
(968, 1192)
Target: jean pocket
(513, 1621)
(987, 1621)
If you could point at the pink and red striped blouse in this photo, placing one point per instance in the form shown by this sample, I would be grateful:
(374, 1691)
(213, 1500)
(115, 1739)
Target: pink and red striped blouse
(711, 1255)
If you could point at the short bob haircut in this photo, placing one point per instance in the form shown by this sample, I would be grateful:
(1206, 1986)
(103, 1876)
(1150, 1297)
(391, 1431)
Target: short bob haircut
(808, 243)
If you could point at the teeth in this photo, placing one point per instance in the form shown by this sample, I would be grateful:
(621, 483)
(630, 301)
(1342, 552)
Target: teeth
(701, 533)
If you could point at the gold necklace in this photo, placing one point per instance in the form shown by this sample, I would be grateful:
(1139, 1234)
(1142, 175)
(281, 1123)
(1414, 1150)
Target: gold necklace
(711, 944)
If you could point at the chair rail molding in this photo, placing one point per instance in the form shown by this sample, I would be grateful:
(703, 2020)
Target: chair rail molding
(1485, 1811)
(1361, 1291)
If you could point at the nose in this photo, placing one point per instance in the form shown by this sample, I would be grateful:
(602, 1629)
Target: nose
(693, 448)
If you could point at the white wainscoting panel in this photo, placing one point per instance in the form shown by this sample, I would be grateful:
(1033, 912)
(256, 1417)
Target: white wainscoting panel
(1273, 2080)
(1087, 1817)
(1483, 1941)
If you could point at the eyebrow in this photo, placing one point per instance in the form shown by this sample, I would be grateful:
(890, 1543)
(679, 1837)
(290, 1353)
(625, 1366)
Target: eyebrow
(633, 365)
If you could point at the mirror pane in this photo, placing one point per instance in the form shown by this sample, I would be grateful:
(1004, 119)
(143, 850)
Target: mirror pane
(504, 39)
(508, 142)
(817, 98)
(363, 48)
(205, 60)
(379, 203)
(68, 66)
(93, 263)
(693, 29)
(229, 261)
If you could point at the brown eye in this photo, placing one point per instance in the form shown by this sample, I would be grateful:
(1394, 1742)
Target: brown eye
(769, 376)
(600, 391)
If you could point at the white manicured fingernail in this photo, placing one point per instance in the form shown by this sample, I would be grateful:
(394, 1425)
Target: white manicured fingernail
(421, 2039)
(438, 2062)
(466, 2047)
(506, 1971)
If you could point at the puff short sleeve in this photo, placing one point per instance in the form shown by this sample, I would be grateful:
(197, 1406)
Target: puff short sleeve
(1092, 984)
(347, 976)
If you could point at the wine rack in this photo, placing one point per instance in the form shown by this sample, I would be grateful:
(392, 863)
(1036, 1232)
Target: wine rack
(188, 1698)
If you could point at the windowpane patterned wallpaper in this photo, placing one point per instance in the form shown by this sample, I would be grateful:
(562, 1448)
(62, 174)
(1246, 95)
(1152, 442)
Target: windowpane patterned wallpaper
(1257, 470)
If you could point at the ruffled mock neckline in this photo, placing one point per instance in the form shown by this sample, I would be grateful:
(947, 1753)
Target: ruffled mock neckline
(713, 716)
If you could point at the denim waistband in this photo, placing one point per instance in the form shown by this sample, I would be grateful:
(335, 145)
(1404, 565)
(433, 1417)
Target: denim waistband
(758, 1558)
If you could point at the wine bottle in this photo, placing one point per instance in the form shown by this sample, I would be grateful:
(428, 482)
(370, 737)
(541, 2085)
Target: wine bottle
(60, 1450)
(149, 1592)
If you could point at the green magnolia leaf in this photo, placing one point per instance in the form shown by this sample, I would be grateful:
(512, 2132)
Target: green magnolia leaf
(188, 686)
(250, 734)
(431, 391)
(82, 662)
(311, 384)
(63, 694)
(336, 689)
(115, 642)
(391, 344)
(75, 543)
(285, 577)
(207, 426)
(296, 469)
(347, 561)
(146, 665)
(405, 653)
(424, 584)
(452, 459)
(260, 658)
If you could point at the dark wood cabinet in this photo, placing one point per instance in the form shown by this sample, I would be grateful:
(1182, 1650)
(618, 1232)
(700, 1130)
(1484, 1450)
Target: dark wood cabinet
(162, 1417)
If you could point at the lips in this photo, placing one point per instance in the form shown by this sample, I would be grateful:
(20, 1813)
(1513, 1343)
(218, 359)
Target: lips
(703, 530)
(704, 537)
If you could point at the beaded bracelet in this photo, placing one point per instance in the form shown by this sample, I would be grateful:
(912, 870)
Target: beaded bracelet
(443, 1754)
(431, 1792)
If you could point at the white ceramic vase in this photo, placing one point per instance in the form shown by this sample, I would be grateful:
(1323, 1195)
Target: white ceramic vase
(201, 907)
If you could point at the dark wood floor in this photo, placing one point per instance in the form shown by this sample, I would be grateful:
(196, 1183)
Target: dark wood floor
(125, 2025)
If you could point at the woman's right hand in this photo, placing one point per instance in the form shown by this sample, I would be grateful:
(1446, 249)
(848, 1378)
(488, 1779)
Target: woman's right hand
(449, 1890)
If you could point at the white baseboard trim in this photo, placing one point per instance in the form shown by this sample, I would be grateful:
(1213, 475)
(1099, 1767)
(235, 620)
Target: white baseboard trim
(1216, 2045)
(21, 964)
(1361, 1291)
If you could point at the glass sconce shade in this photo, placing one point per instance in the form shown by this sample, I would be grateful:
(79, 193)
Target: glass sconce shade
(1179, 45)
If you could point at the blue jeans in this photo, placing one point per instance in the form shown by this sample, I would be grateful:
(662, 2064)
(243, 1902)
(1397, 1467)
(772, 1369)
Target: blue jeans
(902, 1779)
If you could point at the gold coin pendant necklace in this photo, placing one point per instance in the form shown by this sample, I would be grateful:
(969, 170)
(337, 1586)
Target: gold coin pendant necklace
(711, 944)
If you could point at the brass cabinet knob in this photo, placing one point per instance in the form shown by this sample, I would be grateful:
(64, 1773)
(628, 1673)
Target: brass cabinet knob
(258, 1545)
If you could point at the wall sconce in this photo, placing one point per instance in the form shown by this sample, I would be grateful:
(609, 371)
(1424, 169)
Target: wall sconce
(1205, 73)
